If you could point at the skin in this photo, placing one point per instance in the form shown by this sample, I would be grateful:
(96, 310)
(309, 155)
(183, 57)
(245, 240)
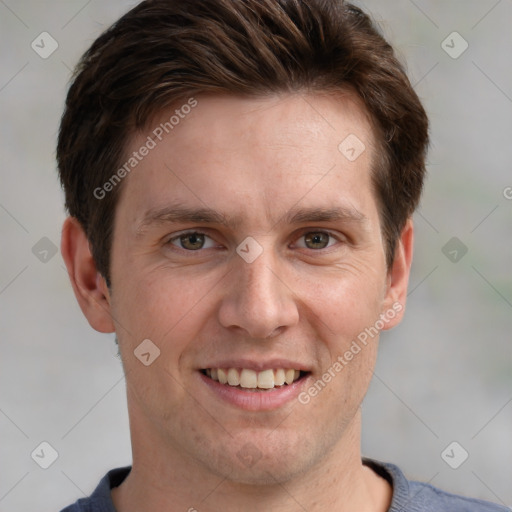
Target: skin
(253, 160)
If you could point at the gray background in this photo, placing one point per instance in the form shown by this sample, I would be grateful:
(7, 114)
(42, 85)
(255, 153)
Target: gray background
(444, 375)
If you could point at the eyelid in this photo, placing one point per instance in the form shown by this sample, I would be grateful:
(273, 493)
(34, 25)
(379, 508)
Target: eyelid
(177, 236)
(337, 236)
(301, 233)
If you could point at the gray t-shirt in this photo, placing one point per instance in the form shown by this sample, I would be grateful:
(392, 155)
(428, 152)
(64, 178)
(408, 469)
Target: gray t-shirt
(408, 496)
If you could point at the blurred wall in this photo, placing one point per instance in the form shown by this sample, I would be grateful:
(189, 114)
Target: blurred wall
(443, 376)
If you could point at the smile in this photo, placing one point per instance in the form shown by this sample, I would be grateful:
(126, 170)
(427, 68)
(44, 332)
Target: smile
(255, 389)
(250, 379)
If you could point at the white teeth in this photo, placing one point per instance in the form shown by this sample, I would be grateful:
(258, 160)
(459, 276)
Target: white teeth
(250, 379)
(266, 379)
(289, 375)
(221, 375)
(279, 377)
(233, 377)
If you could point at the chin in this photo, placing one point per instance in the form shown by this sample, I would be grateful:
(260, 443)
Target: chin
(265, 472)
(260, 461)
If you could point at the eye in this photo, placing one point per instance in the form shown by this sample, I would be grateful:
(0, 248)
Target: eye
(192, 241)
(317, 240)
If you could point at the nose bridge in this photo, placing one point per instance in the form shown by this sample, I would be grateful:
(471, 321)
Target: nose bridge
(257, 299)
(259, 279)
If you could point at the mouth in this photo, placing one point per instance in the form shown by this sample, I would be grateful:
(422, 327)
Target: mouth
(246, 379)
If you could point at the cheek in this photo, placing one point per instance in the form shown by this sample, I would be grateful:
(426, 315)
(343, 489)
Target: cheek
(170, 312)
(346, 302)
(161, 303)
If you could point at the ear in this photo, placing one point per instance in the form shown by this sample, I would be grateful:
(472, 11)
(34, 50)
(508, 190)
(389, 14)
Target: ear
(89, 286)
(398, 277)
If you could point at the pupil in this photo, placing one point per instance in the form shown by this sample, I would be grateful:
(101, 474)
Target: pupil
(192, 241)
(317, 239)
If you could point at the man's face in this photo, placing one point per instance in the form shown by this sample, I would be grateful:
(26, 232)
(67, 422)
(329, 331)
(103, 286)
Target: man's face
(310, 278)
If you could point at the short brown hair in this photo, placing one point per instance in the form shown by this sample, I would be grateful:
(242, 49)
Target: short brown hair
(163, 51)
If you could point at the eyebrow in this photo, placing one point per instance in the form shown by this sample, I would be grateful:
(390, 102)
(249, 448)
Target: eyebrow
(337, 214)
(296, 215)
(183, 214)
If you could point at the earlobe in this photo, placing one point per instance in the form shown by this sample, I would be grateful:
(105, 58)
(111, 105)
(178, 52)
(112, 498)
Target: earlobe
(398, 277)
(89, 286)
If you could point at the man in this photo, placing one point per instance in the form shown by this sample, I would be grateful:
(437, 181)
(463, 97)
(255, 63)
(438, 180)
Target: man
(240, 177)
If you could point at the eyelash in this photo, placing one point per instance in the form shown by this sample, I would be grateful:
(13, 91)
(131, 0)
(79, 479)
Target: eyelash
(303, 234)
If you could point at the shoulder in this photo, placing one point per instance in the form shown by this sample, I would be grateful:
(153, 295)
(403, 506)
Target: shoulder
(430, 498)
(411, 496)
(101, 500)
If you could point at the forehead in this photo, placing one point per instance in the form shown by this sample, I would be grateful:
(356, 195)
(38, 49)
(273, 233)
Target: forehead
(224, 124)
(254, 156)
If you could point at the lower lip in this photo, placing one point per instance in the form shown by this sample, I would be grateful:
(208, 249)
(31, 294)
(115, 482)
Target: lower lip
(266, 400)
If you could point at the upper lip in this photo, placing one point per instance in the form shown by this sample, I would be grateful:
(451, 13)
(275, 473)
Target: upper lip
(258, 366)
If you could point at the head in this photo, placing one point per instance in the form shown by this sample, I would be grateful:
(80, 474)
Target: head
(233, 47)
(245, 109)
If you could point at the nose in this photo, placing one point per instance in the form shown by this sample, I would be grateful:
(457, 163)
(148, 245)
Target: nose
(257, 299)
